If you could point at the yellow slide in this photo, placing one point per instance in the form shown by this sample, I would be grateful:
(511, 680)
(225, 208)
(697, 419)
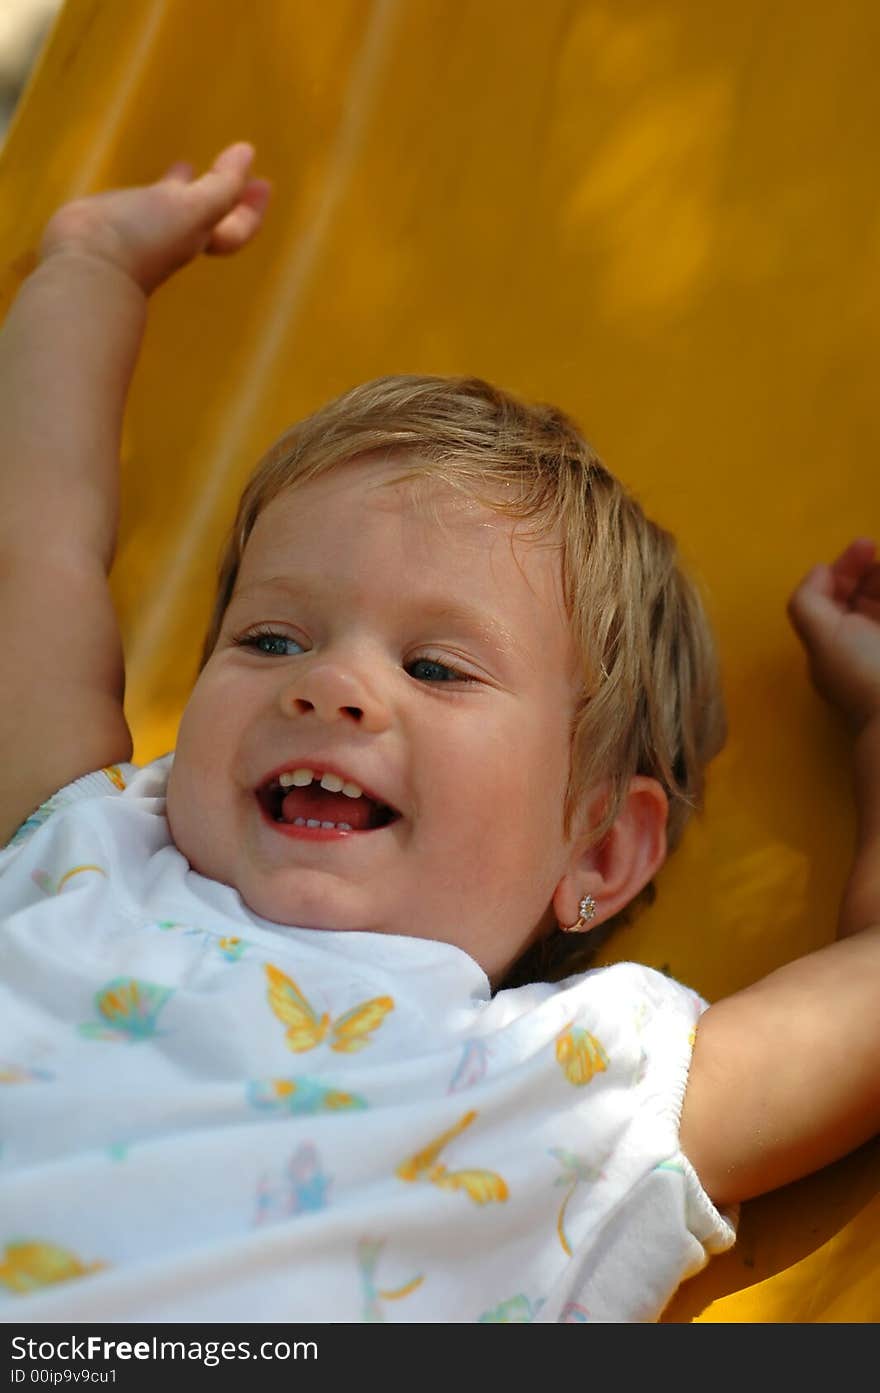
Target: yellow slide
(662, 218)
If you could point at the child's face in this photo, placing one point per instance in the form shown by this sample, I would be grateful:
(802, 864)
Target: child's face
(360, 680)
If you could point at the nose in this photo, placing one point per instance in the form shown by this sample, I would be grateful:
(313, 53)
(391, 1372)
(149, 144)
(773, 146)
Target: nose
(336, 691)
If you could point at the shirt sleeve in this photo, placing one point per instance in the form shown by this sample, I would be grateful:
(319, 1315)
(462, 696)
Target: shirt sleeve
(101, 783)
(659, 1226)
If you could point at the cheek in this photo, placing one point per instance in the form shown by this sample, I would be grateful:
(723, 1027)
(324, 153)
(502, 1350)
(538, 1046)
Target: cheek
(207, 742)
(501, 788)
(199, 806)
(210, 723)
(530, 763)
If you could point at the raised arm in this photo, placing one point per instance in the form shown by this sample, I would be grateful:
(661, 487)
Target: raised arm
(785, 1076)
(68, 349)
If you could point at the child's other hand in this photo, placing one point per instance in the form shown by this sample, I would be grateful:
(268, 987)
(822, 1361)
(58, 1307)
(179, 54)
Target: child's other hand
(835, 612)
(152, 231)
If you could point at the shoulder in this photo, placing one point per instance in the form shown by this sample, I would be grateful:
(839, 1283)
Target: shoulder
(631, 1023)
(630, 992)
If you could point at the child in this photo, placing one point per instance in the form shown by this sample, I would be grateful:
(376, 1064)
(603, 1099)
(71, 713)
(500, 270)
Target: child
(262, 1056)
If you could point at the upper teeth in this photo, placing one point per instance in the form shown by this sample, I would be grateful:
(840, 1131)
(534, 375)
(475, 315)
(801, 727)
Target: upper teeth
(332, 782)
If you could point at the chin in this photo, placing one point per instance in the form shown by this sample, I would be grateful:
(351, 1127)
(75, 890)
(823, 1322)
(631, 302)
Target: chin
(290, 916)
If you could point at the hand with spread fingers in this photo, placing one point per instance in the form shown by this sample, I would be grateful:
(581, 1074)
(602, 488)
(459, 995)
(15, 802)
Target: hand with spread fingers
(151, 231)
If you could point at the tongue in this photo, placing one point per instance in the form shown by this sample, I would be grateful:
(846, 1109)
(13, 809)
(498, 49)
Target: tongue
(317, 802)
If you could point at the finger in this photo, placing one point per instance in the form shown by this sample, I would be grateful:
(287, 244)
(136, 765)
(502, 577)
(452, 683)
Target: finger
(862, 543)
(179, 172)
(851, 565)
(243, 223)
(812, 608)
(235, 159)
(221, 188)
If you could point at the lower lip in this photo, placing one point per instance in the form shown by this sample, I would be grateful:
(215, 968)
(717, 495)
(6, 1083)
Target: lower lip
(311, 834)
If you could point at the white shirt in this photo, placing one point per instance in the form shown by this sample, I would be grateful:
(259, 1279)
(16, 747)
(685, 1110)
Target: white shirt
(207, 1116)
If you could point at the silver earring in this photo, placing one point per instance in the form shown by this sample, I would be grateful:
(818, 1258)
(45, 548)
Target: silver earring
(586, 910)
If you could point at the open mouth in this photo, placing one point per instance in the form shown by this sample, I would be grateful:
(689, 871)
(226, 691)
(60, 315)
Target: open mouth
(317, 807)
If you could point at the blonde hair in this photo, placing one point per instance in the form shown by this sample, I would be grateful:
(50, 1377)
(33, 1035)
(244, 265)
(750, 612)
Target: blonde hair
(651, 701)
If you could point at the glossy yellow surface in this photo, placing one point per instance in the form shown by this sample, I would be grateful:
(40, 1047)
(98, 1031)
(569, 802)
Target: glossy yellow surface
(662, 217)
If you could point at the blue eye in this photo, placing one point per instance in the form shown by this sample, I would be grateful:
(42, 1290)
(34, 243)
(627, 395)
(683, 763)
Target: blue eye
(270, 644)
(450, 674)
(253, 640)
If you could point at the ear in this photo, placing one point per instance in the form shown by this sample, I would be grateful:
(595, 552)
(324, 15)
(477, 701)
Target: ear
(623, 862)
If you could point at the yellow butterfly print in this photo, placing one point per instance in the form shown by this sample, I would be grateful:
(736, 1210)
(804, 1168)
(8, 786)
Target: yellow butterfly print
(424, 1160)
(482, 1185)
(580, 1054)
(29, 1265)
(305, 1029)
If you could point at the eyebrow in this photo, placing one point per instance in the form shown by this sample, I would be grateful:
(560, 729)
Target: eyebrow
(458, 612)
